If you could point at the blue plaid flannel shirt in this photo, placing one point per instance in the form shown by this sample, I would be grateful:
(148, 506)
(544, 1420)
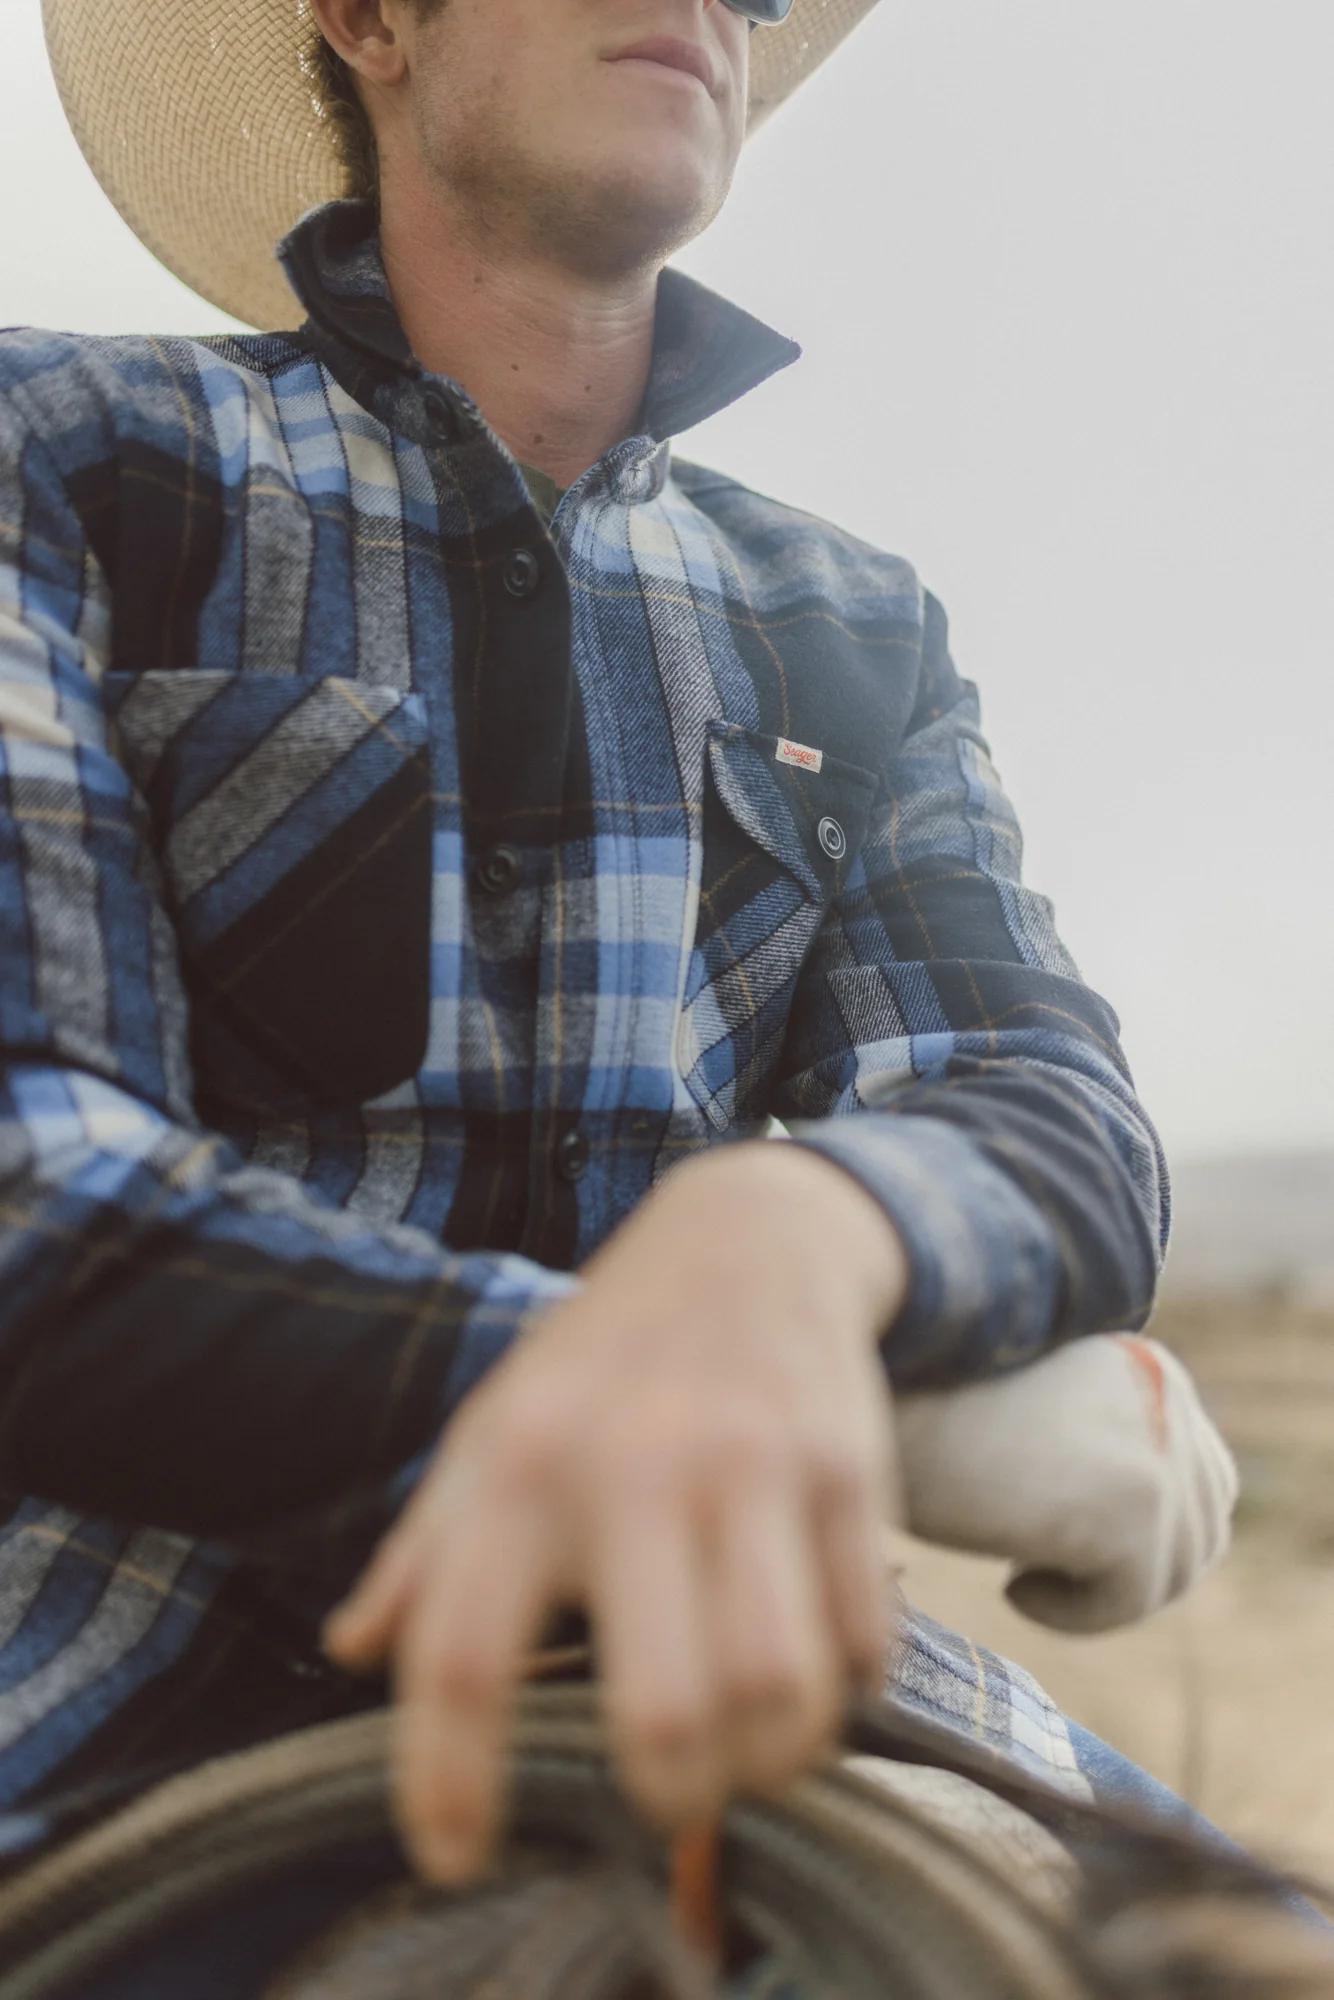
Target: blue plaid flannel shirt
(389, 891)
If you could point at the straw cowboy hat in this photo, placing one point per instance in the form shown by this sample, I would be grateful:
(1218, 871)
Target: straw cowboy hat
(198, 119)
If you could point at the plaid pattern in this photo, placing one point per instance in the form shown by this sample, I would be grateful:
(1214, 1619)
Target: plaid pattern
(389, 891)
(974, 1691)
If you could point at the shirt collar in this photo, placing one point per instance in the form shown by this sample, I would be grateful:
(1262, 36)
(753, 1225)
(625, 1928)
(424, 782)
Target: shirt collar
(706, 352)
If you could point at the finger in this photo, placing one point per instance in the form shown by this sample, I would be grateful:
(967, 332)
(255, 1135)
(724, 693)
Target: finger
(648, 1603)
(777, 1667)
(477, 1611)
(359, 1632)
(858, 1588)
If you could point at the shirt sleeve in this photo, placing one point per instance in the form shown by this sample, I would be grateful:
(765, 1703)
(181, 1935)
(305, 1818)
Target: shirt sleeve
(185, 1339)
(992, 1111)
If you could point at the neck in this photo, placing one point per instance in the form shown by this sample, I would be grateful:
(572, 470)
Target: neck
(556, 360)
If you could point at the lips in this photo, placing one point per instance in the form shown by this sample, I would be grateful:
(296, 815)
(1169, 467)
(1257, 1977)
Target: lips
(673, 53)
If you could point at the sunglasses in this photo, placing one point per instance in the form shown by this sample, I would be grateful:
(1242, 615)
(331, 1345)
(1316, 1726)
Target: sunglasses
(762, 13)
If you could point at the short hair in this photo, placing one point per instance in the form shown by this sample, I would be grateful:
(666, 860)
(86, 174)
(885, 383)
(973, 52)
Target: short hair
(339, 107)
(338, 103)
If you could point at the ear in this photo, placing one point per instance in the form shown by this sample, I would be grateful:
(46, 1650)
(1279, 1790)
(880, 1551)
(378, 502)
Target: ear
(367, 34)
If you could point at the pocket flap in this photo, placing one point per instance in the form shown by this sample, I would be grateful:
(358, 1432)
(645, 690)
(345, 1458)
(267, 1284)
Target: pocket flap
(810, 815)
(292, 819)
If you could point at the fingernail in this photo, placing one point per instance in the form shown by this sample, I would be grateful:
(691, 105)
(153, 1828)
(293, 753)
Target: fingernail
(449, 1859)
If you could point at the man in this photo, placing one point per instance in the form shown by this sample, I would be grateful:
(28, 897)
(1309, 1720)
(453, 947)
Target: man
(432, 813)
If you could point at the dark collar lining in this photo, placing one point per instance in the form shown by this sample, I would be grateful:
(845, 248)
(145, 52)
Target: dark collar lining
(706, 352)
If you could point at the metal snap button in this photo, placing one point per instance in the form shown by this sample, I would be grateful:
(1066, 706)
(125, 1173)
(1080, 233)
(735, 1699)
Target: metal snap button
(440, 417)
(572, 1152)
(499, 869)
(521, 574)
(307, 1668)
(832, 838)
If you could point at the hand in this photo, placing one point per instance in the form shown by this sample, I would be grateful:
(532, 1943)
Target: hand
(1095, 1470)
(697, 1448)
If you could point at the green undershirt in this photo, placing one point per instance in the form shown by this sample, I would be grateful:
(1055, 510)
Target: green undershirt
(543, 491)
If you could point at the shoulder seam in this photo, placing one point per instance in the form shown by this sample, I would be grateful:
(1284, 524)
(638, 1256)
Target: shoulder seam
(701, 481)
(36, 440)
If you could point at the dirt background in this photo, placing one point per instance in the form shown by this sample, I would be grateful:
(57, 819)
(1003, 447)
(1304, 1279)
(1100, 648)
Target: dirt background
(1229, 1696)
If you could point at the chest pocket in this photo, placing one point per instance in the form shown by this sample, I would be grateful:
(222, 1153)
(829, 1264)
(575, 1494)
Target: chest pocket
(781, 829)
(293, 828)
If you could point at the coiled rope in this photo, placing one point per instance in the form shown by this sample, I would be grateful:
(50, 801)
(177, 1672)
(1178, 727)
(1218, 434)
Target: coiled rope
(916, 1868)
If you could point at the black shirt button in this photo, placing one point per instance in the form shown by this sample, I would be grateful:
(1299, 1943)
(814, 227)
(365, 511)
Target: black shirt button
(521, 574)
(499, 869)
(832, 838)
(440, 417)
(572, 1156)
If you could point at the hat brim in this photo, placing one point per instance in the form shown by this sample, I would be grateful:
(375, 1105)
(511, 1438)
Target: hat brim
(197, 118)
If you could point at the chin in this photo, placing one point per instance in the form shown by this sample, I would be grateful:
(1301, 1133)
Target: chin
(652, 202)
(606, 196)
(620, 239)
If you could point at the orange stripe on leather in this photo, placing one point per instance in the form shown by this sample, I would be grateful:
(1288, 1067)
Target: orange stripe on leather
(1150, 1371)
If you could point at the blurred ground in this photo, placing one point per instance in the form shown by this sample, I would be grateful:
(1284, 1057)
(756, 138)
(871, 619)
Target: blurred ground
(1229, 1697)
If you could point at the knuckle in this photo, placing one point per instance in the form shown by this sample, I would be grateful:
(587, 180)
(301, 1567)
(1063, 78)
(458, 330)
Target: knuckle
(462, 1678)
(845, 1468)
(751, 1454)
(529, 1450)
(840, 1475)
(664, 1729)
(765, 1686)
(664, 1447)
(641, 1459)
(744, 1449)
(654, 1434)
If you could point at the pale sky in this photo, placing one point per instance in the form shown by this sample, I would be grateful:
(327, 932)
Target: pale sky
(1064, 274)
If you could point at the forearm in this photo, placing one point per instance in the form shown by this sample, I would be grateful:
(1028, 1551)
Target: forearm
(192, 1343)
(782, 1217)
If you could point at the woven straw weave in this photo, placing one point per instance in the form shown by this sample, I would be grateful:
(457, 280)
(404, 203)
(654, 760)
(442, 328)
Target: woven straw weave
(197, 119)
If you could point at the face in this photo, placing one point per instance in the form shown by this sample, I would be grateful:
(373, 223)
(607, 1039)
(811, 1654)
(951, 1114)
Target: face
(605, 131)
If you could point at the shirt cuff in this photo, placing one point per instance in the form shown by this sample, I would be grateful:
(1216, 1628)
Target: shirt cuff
(986, 1279)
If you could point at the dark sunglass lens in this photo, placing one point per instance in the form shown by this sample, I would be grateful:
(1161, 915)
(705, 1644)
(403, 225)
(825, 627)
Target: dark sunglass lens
(768, 13)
